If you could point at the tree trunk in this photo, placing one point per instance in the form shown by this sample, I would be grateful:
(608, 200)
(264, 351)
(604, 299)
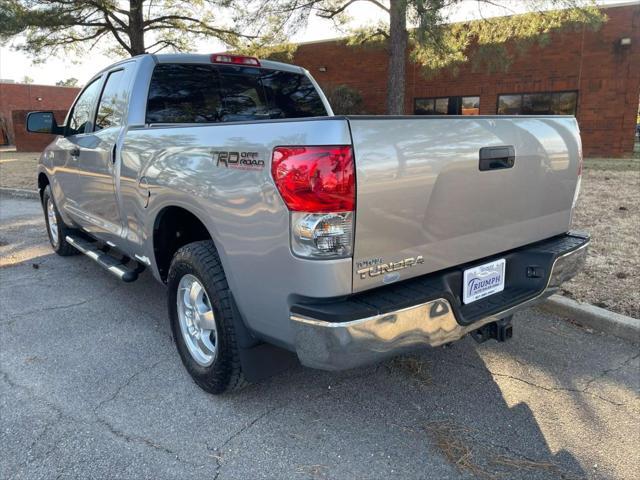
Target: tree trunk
(136, 32)
(397, 51)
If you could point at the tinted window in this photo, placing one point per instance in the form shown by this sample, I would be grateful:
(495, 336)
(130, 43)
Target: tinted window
(184, 94)
(554, 103)
(80, 117)
(536, 104)
(190, 93)
(470, 106)
(447, 106)
(241, 94)
(112, 102)
(564, 103)
(509, 104)
(442, 106)
(291, 95)
(424, 106)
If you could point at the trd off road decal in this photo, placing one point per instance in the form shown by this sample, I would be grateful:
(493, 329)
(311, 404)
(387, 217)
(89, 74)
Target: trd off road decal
(239, 160)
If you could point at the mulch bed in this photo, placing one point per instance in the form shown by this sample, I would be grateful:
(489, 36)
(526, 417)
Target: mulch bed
(609, 209)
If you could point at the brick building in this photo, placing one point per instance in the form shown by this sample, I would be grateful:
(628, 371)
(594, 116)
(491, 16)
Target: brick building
(16, 99)
(594, 75)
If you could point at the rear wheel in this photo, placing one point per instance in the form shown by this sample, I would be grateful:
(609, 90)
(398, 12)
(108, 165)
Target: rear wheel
(56, 228)
(202, 318)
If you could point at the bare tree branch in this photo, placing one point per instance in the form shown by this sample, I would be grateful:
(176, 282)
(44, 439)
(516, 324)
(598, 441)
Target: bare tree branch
(379, 5)
(330, 13)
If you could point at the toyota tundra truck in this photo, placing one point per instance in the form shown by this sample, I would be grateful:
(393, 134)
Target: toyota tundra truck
(284, 231)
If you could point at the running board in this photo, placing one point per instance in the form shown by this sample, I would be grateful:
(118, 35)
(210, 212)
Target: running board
(106, 261)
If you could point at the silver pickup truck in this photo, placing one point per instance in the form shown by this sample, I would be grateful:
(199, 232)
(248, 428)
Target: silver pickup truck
(282, 231)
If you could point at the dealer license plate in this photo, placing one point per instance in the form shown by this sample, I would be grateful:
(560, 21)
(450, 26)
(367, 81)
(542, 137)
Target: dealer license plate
(483, 280)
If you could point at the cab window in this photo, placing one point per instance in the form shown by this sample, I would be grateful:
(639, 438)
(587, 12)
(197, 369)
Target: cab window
(112, 103)
(80, 118)
(201, 93)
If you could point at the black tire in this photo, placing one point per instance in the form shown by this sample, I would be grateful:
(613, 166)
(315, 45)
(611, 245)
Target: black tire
(60, 246)
(201, 260)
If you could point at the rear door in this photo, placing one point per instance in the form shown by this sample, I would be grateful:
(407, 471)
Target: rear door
(437, 192)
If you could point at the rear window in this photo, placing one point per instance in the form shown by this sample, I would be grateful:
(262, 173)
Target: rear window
(199, 93)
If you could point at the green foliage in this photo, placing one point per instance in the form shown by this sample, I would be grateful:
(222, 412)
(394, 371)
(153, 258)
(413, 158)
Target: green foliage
(374, 36)
(447, 46)
(44, 27)
(26, 79)
(69, 82)
(344, 100)
(280, 52)
(436, 44)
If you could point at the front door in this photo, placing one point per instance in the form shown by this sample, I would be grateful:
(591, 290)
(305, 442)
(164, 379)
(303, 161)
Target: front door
(68, 151)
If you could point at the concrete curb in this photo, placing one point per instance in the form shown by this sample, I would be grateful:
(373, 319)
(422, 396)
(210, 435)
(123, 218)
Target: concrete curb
(594, 317)
(19, 193)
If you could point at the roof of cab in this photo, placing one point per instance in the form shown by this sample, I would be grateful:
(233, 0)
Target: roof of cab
(196, 58)
(206, 58)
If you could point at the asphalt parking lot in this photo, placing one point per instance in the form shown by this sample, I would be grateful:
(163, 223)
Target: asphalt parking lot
(91, 387)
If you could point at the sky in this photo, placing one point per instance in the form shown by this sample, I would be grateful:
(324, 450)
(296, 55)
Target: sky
(16, 65)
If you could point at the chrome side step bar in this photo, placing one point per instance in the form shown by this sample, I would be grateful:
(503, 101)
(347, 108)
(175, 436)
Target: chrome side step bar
(106, 261)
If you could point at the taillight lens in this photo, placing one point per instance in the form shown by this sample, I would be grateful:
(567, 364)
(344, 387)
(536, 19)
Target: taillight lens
(322, 235)
(318, 186)
(315, 179)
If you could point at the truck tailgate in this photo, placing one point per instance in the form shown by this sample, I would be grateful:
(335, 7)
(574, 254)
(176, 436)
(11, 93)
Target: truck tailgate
(422, 191)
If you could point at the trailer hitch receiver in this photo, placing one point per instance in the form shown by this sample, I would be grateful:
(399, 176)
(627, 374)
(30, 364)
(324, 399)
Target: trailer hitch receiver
(500, 330)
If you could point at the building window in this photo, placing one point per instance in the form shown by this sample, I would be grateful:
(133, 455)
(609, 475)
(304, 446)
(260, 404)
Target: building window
(470, 106)
(424, 106)
(447, 106)
(548, 103)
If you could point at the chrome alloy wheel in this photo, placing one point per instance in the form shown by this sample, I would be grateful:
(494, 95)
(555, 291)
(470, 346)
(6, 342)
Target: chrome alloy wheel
(53, 222)
(197, 321)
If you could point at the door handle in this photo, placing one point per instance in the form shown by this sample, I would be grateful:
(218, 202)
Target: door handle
(75, 152)
(497, 158)
(143, 183)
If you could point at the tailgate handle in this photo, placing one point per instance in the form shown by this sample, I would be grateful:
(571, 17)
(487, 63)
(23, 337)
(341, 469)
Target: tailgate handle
(497, 158)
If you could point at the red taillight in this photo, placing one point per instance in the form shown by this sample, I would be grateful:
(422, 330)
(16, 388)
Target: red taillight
(235, 59)
(315, 179)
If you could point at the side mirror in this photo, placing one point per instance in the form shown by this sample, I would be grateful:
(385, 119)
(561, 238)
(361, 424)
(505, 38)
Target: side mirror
(43, 122)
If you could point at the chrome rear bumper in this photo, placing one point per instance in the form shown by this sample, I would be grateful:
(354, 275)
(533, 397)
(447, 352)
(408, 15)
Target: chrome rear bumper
(331, 345)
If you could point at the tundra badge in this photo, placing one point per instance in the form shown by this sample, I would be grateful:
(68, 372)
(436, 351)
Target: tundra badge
(376, 270)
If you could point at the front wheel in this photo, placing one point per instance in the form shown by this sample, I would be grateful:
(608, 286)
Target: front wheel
(202, 318)
(56, 228)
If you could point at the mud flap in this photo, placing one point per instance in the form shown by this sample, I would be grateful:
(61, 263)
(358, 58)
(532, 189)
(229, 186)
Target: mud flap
(259, 360)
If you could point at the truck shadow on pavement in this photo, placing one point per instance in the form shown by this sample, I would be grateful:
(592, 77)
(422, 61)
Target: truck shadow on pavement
(104, 376)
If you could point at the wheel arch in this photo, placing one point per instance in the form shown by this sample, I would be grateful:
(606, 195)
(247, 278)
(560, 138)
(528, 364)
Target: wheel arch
(173, 227)
(43, 181)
